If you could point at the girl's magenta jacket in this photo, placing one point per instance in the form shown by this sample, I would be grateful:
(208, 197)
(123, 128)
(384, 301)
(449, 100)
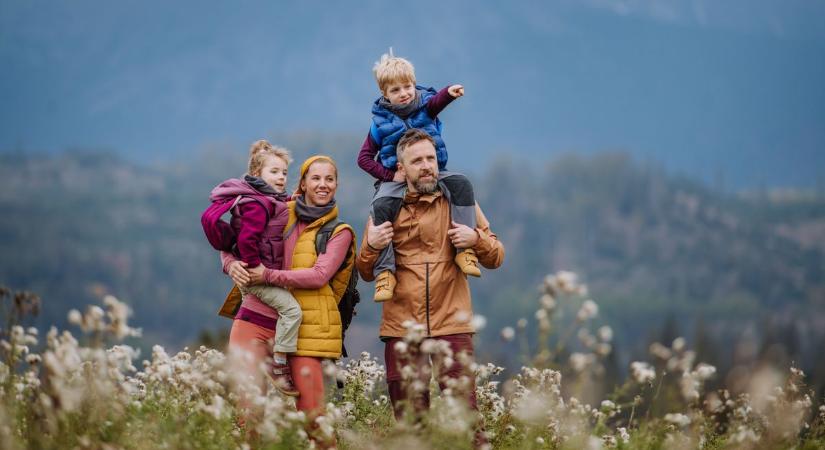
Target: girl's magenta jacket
(258, 220)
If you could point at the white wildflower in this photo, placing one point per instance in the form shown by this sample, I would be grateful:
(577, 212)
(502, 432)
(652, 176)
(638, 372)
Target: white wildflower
(605, 333)
(678, 344)
(581, 361)
(508, 333)
(588, 310)
(215, 408)
(660, 351)
(608, 405)
(642, 372)
(429, 346)
(678, 419)
(75, 318)
(585, 337)
(401, 347)
(548, 301)
(705, 371)
(478, 322)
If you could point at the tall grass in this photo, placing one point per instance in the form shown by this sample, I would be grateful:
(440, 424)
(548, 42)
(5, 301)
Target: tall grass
(86, 392)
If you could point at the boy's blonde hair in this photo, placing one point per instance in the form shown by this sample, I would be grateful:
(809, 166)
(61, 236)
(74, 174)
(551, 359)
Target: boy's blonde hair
(391, 69)
(258, 153)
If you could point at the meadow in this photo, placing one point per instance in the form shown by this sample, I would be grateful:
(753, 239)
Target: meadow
(93, 391)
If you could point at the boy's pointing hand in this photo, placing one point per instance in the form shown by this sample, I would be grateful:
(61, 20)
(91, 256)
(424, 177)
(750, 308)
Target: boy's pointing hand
(456, 90)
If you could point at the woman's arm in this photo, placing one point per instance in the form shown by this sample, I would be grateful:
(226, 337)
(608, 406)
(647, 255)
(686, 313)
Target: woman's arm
(318, 275)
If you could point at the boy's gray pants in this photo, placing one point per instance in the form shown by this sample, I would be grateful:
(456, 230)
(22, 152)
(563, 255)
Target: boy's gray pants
(289, 314)
(387, 202)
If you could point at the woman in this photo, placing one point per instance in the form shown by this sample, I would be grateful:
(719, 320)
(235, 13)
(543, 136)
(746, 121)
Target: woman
(315, 281)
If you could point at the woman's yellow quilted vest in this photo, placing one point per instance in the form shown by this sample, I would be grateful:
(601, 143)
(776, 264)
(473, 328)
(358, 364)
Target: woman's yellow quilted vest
(320, 331)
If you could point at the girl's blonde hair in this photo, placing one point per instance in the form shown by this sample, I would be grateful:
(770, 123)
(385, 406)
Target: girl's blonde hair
(258, 153)
(391, 69)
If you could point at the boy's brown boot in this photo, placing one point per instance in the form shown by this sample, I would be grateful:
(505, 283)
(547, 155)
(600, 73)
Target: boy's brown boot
(384, 286)
(281, 377)
(468, 262)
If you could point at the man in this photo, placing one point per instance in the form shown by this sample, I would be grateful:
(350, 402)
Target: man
(431, 290)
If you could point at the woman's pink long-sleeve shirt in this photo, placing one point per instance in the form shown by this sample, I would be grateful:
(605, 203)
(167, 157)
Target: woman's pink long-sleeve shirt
(311, 278)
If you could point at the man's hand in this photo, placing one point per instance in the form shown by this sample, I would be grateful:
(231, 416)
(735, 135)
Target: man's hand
(256, 274)
(456, 90)
(399, 177)
(238, 273)
(462, 236)
(379, 236)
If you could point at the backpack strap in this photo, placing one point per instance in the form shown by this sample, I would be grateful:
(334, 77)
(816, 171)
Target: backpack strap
(324, 234)
(265, 203)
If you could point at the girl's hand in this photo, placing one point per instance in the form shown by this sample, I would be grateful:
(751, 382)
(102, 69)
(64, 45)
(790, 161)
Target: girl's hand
(456, 90)
(256, 274)
(399, 177)
(238, 273)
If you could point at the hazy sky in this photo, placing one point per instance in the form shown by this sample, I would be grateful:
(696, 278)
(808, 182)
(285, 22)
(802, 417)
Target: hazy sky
(732, 88)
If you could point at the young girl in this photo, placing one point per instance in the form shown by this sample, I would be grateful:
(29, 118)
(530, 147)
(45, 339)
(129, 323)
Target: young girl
(258, 218)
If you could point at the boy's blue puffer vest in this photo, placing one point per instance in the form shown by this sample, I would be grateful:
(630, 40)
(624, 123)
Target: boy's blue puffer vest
(387, 129)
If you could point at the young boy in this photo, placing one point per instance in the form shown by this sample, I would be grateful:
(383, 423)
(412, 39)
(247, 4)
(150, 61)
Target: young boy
(404, 105)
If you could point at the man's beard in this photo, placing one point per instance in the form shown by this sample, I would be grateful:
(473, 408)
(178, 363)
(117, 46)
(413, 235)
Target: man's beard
(426, 187)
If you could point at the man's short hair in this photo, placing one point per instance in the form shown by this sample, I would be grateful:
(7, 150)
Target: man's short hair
(410, 137)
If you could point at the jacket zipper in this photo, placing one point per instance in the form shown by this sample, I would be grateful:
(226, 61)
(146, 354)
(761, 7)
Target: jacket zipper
(427, 289)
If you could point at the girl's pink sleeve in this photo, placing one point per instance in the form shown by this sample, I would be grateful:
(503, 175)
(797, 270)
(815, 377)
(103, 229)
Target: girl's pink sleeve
(318, 275)
(253, 223)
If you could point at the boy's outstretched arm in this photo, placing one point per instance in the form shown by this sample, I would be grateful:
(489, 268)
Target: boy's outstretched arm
(444, 97)
(366, 161)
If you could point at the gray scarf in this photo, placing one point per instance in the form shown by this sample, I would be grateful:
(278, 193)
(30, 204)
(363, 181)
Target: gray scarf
(307, 213)
(261, 186)
(403, 111)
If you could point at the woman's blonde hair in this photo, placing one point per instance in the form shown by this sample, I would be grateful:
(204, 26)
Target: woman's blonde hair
(391, 69)
(258, 153)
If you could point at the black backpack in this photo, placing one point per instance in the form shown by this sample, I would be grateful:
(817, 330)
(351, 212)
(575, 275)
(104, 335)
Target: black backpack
(351, 297)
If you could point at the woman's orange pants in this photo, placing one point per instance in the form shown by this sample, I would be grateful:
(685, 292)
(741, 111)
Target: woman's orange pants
(306, 370)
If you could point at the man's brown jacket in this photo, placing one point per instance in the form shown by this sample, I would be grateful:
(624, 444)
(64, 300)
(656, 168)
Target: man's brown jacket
(431, 288)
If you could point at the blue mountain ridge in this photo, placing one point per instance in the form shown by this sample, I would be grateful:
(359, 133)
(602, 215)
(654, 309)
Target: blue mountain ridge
(728, 92)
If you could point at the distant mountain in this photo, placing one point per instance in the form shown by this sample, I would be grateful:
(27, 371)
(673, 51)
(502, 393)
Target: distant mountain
(725, 92)
(649, 244)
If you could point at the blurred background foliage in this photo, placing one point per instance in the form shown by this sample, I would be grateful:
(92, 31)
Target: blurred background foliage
(740, 274)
